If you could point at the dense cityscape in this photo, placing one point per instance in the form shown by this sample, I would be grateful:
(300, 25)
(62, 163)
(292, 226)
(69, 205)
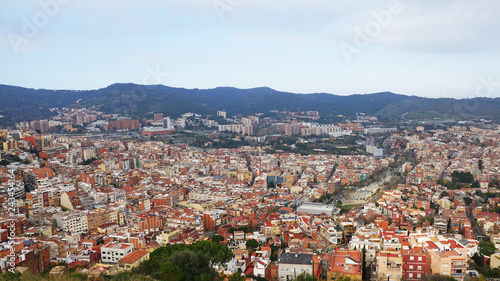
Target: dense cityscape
(100, 195)
(249, 140)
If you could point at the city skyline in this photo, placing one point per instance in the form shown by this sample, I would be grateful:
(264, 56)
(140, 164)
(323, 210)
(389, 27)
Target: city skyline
(250, 140)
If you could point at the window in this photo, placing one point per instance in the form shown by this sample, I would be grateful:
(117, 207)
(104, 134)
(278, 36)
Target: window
(410, 275)
(419, 275)
(419, 258)
(412, 258)
(419, 268)
(411, 267)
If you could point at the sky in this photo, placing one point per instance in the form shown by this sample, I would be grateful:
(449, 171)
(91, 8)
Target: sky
(446, 48)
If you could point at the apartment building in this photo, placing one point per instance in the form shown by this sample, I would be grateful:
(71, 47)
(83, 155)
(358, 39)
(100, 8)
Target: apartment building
(389, 265)
(114, 251)
(416, 264)
(345, 264)
(74, 222)
(449, 262)
(290, 265)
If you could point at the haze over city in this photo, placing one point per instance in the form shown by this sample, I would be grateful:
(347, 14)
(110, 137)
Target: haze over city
(428, 49)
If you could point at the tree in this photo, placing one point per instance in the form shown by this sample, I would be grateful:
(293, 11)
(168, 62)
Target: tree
(480, 164)
(218, 253)
(236, 277)
(16, 159)
(486, 248)
(421, 220)
(170, 271)
(435, 207)
(364, 270)
(494, 183)
(252, 244)
(475, 184)
(468, 201)
(305, 276)
(440, 277)
(204, 277)
(491, 273)
(191, 265)
(217, 238)
(16, 275)
(463, 177)
(185, 262)
(478, 260)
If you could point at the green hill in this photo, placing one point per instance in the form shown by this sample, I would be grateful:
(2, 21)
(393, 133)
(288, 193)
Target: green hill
(23, 104)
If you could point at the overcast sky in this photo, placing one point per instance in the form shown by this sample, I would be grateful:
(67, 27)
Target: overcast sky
(445, 48)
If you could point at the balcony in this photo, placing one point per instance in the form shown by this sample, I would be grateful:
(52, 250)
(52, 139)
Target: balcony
(394, 269)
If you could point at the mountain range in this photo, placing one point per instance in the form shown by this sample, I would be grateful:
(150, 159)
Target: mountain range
(24, 104)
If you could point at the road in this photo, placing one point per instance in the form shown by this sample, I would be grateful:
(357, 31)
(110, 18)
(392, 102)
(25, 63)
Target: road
(478, 232)
(366, 194)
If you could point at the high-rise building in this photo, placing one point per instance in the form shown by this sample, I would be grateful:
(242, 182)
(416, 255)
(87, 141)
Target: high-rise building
(247, 130)
(246, 121)
(167, 123)
(158, 117)
(222, 114)
(124, 123)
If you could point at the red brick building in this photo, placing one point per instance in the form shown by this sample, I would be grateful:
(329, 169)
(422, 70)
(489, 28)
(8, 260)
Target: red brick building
(162, 200)
(20, 222)
(416, 264)
(37, 259)
(213, 219)
(124, 124)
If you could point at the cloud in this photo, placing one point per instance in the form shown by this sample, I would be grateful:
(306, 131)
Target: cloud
(447, 27)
